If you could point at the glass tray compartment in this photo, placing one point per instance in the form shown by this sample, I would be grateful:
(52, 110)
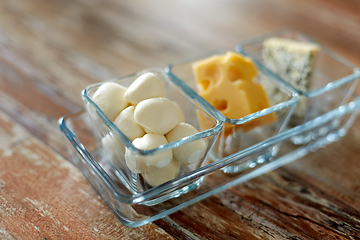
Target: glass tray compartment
(116, 147)
(242, 136)
(332, 82)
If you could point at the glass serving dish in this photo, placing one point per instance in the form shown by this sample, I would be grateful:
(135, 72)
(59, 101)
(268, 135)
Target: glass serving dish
(331, 109)
(326, 80)
(131, 208)
(119, 150)
(244, 132)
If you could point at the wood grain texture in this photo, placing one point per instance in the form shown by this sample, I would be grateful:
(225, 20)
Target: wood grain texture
(43, 196)
(51, 50)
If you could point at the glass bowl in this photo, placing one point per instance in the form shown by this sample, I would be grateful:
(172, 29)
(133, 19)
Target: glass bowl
(328, 83)
(115, 146)
(245, 131)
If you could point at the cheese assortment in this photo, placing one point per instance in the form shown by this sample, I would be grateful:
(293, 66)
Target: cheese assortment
(135, 196)
(227, 82)
(148, 120)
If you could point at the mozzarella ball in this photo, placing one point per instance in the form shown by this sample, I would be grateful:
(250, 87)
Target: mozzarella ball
(143, 163)
(110, 98)
(125, 121)
(190, 152)
(181, 114)
(113, 150)
(162, 175)
(157, 115)
(146, 86)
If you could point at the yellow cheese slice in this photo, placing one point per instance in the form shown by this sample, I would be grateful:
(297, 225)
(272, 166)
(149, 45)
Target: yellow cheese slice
(226, 82)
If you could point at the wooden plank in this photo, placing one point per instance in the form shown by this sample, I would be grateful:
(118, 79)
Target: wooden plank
(43, 196)
(51, 50)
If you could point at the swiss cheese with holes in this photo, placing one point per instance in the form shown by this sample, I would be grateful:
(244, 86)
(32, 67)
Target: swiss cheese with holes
(226, 82)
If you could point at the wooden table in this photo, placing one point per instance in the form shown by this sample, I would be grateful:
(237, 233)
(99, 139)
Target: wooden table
(50, 50)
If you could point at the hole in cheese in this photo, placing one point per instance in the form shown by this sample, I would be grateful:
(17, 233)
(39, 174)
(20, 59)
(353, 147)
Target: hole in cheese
(220, 104)
(213, 72)
(233, 74)
(204, 84)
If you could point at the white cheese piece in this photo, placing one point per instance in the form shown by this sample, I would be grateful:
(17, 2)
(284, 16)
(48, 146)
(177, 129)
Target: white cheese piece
(190, 152)
(143, 163)
(113, 150)
(157, 115)
(146, 86)
(162, 175)
(181, 114)
(110, 98)
(125, 121)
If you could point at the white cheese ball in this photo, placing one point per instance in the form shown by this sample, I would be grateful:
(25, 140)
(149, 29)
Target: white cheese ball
(162, 175)
(125, 121)
(157, 115)
(143, 163)
(181, 114)
(110, 98)
(190, 152)
(113, 150)
(146, 86)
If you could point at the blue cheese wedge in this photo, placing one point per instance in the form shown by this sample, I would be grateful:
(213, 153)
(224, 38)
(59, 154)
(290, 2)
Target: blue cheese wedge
(294, 62)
